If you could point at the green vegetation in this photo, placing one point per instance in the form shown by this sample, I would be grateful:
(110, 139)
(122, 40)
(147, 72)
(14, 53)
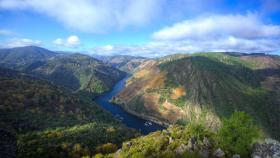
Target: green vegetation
(79, 73)
(215, 85)
(237, 134)
(49, 121)
(18, 58)
(76, 72)
(193, 140)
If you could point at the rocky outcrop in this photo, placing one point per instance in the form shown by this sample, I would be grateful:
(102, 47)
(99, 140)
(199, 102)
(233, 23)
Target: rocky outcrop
(269, 149)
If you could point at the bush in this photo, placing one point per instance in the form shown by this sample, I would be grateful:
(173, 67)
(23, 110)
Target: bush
(107, 148)
(196, 131)
(237, 134)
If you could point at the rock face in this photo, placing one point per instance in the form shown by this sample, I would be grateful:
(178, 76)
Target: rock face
(270, 149)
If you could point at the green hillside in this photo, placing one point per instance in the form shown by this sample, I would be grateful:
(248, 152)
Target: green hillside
(205, 87)
(78, 72)
(194, 141)
(45, 120)
(19, 57)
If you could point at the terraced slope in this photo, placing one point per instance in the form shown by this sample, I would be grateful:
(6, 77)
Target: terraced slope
(40, 119)
(205, 87)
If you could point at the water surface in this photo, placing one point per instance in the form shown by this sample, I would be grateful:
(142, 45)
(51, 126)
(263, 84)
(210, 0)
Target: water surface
(128, 119)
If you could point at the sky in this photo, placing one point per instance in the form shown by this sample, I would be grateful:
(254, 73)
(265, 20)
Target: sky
(148, 28)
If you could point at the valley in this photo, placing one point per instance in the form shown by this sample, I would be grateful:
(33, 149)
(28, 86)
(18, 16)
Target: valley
(75, 105)
(125, 117)
(140, 79)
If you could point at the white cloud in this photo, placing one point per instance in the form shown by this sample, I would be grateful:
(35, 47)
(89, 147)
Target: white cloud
(230, 33)
(15, 42)
(58, 41)
(71, 41)
(162, 48)
(5, 32)
(248, 26)
(92, 16)
(108, 47)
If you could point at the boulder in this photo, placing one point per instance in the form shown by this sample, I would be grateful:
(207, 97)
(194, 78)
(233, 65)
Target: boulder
(128, 144)
(206, 142)
(170, 140)
(219, 153)
(235, 156)
(204, 153)
(192, 144)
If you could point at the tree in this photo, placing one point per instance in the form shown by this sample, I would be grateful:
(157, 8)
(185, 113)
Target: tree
(237, 134)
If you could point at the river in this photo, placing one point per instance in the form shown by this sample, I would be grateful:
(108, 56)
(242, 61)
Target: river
(128, 119)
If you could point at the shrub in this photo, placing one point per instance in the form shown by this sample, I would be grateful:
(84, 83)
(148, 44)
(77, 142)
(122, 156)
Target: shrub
(107, 148)
(197, 131)
(237, 133)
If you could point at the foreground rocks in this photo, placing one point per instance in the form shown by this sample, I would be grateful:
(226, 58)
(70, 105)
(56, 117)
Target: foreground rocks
(270, 149)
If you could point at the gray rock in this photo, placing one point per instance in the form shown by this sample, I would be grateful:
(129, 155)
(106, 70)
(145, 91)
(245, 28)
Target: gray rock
(206, 142)
(219, 153)
(236, 156)
(204, 153)
(192, 144)
(181, 149)
(128, 143)
(270, 149)
(170, 140)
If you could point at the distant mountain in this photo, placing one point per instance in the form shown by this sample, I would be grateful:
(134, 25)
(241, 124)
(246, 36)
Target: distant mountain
(205, 87)
(123, 62)
(78, 72)
(22, 56)
(41, 119)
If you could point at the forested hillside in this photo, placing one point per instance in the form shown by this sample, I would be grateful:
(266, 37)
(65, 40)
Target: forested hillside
(76, 72)
(205, 87)
(42, 119)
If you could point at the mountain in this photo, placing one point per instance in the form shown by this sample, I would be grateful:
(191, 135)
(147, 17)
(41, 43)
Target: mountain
(78, 72)
(41, 119)
(22, 56)
(75, 71)
(206, 87)
(123, 62)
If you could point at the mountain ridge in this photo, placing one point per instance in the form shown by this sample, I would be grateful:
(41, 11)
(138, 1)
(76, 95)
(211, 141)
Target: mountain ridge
(205, 87)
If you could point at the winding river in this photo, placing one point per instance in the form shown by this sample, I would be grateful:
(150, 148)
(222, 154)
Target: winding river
(128, 119)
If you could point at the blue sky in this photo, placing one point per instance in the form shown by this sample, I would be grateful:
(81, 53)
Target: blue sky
(142, 27)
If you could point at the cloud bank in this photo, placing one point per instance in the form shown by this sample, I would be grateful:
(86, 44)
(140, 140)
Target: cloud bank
(92, 16)
(231, 33)
(248, 26)
(15, 42)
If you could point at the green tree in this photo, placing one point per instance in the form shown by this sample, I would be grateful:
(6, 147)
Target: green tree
(237, 134)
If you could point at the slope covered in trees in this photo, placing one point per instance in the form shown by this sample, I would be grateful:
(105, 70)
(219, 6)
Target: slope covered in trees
(19, 57)
(76, 72)
(79, 73)
(48, 121)
(205, 87)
